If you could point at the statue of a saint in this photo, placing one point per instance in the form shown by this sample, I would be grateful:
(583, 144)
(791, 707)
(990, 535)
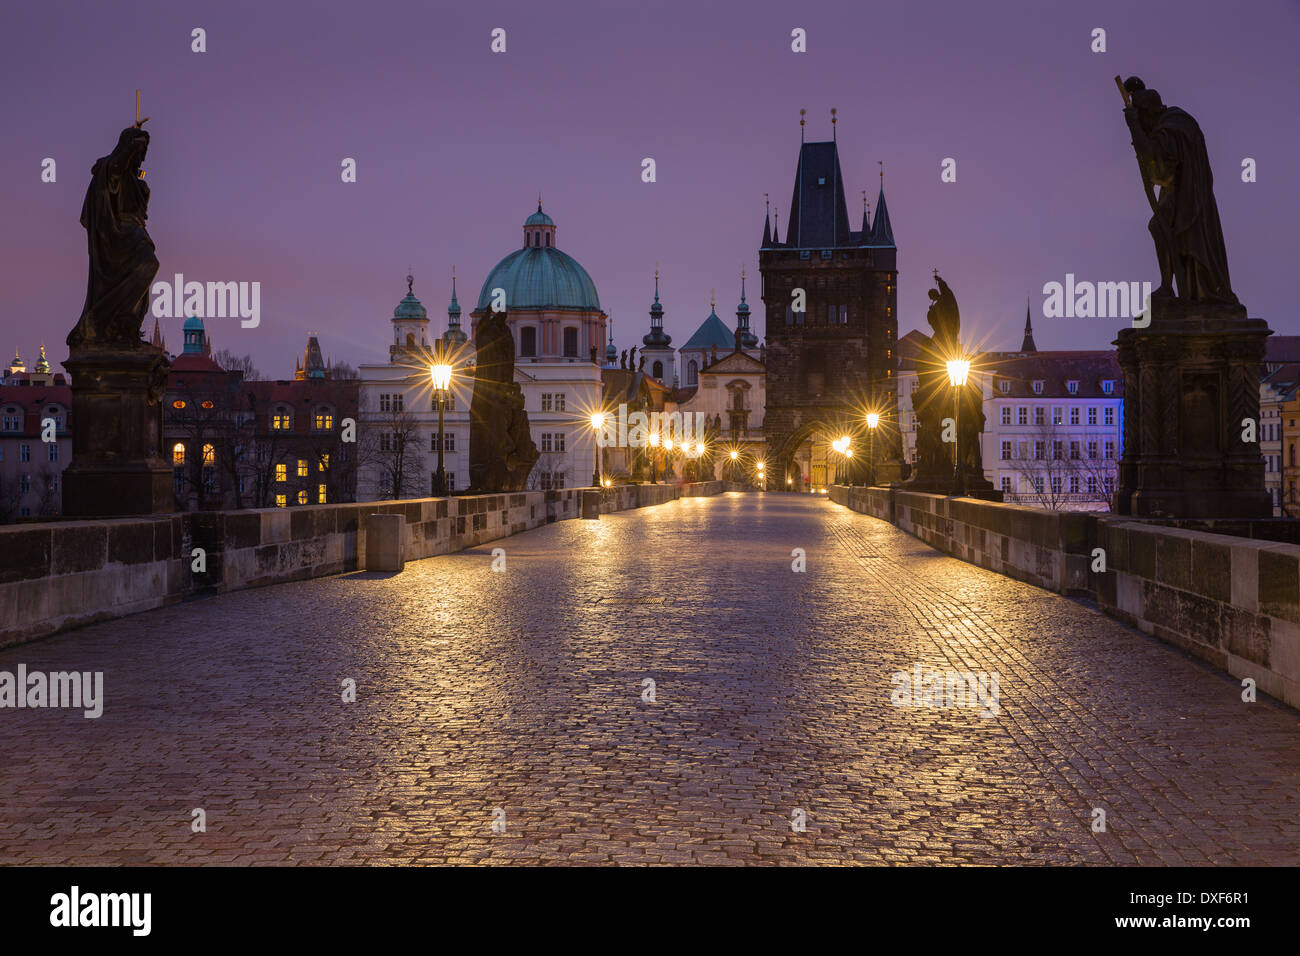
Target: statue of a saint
(1185, 222)
(122, 259)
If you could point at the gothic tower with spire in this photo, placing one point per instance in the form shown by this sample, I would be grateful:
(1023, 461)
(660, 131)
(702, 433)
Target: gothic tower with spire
(831, 362)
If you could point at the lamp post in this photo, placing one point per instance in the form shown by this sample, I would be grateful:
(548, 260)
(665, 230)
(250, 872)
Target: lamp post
(597, 424)
(440, 373)
(958, 369)
(762, 478)
(653, 455)
(873, 420)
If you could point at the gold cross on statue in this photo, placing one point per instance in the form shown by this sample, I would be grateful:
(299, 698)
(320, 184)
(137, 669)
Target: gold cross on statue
(139, 123)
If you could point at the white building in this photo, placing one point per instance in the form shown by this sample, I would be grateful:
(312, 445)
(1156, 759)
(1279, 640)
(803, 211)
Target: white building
(1053, 421)
(558, 327)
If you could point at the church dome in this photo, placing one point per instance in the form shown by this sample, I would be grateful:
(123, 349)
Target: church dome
(540, 276)
(410, 308)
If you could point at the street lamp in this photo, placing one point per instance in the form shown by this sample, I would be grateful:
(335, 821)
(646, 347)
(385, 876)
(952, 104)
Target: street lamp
(958, 369)
(873, 421)
(440, 373)
(597, 425)
(762, 478)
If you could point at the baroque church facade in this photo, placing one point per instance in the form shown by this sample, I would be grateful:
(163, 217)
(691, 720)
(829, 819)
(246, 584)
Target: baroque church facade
(555, 318)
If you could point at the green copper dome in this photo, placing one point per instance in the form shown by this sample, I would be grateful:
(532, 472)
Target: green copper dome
(410, 308)
(540, 279)
(539, 218)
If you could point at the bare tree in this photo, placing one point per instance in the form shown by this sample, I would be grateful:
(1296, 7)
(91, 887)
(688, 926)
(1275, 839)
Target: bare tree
(553, 465)
(390, 448)
(1042, 458)
(1063, 468)
(237, 363)
(342, 371)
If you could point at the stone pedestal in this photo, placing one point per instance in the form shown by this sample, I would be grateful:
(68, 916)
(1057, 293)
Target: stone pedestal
(117, 466)
(1190, 380)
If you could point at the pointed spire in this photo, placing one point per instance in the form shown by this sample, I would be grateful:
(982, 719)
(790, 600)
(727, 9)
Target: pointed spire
(776, 229)
(156, 339)
(767, 223)
(882, 232)
(1028, 344)
(866, 217)
(42, 363)
(745, 339)
(656, 336)
(454, 308)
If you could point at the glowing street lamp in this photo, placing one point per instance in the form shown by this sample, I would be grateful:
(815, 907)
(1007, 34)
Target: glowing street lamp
(958, 370)
(873, 422)
(440, 374)
(597, 425)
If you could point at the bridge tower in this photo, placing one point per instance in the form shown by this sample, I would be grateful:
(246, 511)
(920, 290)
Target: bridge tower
(829, 364)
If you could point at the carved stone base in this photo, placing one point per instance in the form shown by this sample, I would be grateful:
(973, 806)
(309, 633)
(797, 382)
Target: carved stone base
(117, 466)
(1191, 390)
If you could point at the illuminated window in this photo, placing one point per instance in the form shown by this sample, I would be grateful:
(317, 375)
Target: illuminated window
(209, 455)
(325, 461)
(179, 403)
(281, 421)
(281, 501)
(324, 420)
(320, 493)
(302, 467)
(302, 497)
(178, 454)
(207, 404)
(281, 472)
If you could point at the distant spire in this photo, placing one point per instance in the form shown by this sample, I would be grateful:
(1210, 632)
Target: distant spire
(656, 336)
(410, 284)
(43, 364)
(835, 209)
(1028, 344)
(882, 233)
(866, 217)
(767, 223)
(776, 233)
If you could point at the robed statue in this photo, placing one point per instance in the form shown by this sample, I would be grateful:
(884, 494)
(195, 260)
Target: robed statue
(936, 401)
(122, 259)
(501, 447)
(1185, 219)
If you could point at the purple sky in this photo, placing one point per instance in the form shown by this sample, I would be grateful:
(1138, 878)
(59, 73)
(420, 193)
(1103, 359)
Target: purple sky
(453, 144)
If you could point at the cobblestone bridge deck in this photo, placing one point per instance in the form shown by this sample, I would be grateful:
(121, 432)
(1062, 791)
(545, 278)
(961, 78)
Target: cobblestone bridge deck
(523, 690)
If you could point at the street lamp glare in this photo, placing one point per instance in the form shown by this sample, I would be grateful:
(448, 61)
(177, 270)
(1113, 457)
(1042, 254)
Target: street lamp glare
(734, 454)
(872, 419)
(598, 420)
(958, 369)
(441, 376)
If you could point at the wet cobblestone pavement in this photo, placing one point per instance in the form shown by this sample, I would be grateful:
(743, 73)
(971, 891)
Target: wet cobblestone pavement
(523, 690)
